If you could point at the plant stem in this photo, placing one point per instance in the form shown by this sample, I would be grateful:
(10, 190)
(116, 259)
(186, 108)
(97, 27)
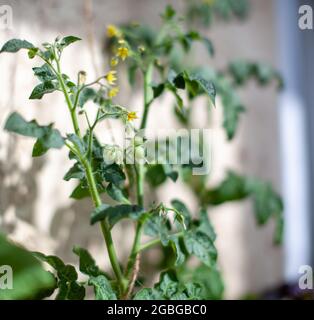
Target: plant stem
(154, 242)
(147, 94)
(104, 227)
(68, 100)
(139, 168)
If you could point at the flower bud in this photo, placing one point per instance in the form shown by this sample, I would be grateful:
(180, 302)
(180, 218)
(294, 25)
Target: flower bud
(81, 78)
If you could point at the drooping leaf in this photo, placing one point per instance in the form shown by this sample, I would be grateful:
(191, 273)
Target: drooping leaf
(113, 214)
(44, 73)
(267, 203)
(158, 90)
(231, 189)
(205, 225)
(79, 143)
(86, 94)
(75, 291)
(148, 294)
(170, 288)
(158, 226)
(174, 243)
(199, 244)
(47, 136)
(181, 207)
(167, 285)
(43, 88)
(14, 45)
(209, 281)
(30, 280)
(69, 288)
(116, 193)
(102, 287)
(68, 40)
(87, 263)
(81, 191)
(243, 71)
(75, 172)
(112, 173)
(64, 272)
(231, 118)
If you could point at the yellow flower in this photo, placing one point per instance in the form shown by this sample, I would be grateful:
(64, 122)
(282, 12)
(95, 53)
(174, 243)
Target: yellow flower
(123, 52)
(132, 116)
(113, 92)
(113, 31)
(111, 77)
(114, 62)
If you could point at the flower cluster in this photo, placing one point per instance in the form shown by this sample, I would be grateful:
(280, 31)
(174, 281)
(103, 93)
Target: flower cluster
(122, 52)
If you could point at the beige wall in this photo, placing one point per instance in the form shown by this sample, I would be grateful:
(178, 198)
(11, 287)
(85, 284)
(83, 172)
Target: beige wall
(34, 205)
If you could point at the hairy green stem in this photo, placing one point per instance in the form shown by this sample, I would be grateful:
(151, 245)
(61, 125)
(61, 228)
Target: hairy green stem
(105, 228)
(148, 95)
(68, 100)
(139, 168)
(155, 242)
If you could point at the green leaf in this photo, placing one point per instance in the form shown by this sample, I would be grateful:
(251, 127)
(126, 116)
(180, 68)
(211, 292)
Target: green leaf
(199, 244)
(158, 226)
(87, 263)
(44, 88)
(68, 40)
(167, 285)
(231, 118)
(112, 173)
(169, 13)
(32, 53)
(102, 287)
(242, 71)
(181, 207)
(75, 291)
(232, 188)
(86, 94)
(44, 73)
(47, 136)
(148, 294)
(116, 193)
(267, 203)
(209, 281)
(155, 175)
(81, 191)
(158, 90)
(52, 139)
(30, 280)
(206, 86)
(67, 275)
(169, 288)
(14, 45)
(113, 214)
(189, 37)
(174, 243)
(205, 226)
(79, 143)
(64, 272)
(76, 172)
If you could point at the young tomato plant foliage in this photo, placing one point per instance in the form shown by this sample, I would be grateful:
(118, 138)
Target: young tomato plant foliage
(104, 168)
